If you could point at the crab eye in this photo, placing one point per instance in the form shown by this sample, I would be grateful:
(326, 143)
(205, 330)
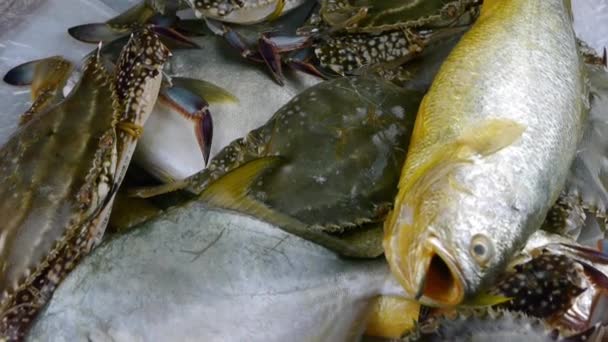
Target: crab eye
(482, 249)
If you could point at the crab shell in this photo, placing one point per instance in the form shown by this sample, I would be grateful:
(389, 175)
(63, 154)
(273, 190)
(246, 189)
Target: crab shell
(378, 16)
(61, 171)
(243, 11)
(343, 143)
(390, 34)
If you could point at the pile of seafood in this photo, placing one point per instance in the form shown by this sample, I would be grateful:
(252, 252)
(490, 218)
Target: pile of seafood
(310, 170)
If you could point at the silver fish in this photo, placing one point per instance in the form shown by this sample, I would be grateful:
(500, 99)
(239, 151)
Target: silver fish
(203, 274)
(491, 149)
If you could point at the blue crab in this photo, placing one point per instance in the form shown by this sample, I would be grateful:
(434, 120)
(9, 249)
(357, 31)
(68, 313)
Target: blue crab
(62, 169)
(401, 37)
(163, 13)
(555, 287)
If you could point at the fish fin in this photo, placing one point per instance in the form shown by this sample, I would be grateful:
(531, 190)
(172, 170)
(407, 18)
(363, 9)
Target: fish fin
(95, 33)
(231, 191)
(588, 178)
(212, 93)
(485, 139)
(490, 137)
(152, 191)
(391, 317)
(485, 299)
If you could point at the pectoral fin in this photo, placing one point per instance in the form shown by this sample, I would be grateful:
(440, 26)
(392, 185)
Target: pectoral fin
(231, 191)
(482, 140)
(489, 137)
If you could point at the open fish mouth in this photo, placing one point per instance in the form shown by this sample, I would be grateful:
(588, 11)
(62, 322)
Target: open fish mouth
(443, 282)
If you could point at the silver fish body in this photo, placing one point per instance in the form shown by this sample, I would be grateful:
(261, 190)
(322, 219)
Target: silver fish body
(491, 149)
(202, 274)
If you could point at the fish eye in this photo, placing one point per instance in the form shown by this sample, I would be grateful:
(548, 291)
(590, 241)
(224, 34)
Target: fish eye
(482, 249)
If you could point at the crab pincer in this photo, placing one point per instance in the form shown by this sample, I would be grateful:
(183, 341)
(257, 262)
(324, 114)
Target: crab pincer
(195, 108)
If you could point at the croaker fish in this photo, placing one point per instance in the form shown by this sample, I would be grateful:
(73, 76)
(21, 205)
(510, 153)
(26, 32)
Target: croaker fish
(490, 152)
(61, 171)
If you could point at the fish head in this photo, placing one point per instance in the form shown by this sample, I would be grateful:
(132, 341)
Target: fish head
(443, 250)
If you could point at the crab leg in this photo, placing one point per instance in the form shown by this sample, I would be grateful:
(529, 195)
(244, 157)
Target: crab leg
(269, 50)
(193, 108)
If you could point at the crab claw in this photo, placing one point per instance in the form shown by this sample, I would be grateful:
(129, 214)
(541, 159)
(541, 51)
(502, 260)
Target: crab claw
(299, 61)
(272, 57)
(173, 39)
(97, 32)
(194, 108)
(204, 133)
(238, 43)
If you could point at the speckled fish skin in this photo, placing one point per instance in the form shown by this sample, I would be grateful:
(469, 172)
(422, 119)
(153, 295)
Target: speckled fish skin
(60, 174)
(491, 148)
(205, 274)
(243, 11)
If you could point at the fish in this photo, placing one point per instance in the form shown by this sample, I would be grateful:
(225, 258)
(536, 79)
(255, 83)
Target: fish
(199, 273)
(490, 152)
(554, 282)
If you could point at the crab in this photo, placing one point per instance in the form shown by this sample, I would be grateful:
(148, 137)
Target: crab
(555, 285)
(163, 13)
(320, 47)
(381, 37)
(62, 169)
(327, 164)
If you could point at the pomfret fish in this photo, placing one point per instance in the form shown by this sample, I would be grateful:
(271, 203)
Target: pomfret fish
(203, 274)
(491, 148)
